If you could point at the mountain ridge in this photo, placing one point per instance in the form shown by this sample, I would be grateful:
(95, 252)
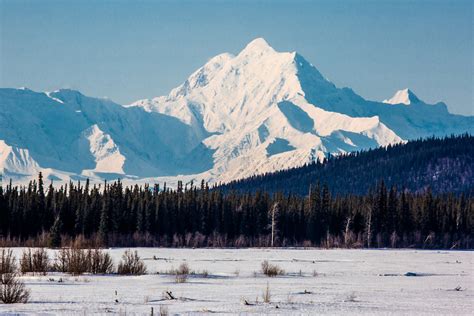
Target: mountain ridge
(255, 112)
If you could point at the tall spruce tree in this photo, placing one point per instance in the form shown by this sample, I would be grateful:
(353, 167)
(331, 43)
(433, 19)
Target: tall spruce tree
(55, 233)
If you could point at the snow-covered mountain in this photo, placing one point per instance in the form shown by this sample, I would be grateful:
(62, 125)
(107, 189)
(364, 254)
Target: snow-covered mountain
(255, 112)
(74, 136)
(405, 96)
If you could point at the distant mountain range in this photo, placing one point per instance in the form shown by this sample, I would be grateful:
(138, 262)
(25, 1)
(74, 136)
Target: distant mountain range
(256, 112)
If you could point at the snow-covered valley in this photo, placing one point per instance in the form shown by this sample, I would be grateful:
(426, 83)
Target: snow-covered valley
(322, 282)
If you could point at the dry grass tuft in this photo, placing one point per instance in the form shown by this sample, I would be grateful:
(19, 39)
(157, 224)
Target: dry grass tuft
(182, 273)
(266, 294)
(271, 270)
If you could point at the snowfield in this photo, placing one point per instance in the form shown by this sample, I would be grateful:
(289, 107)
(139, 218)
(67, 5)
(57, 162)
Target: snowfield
(315, 282)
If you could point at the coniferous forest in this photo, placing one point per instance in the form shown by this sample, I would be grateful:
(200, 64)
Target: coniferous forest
(111, 214)
(442, 164)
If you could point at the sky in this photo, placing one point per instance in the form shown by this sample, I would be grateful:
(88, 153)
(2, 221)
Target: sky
(127, 51)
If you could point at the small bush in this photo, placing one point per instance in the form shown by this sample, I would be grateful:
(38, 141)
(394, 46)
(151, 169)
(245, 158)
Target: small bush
(271, 270)
(12, 290)
(131, 264)
(7, 261)
(100, 262)
(182, 273)
(183, 269)
(36, 261)
(78, 261)
(72, 260)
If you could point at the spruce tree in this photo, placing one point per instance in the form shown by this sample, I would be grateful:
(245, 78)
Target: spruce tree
(55, 233)
(104, 220)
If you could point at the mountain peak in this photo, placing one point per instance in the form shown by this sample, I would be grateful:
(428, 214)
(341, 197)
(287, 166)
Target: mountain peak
(404, 96)
(258, 45)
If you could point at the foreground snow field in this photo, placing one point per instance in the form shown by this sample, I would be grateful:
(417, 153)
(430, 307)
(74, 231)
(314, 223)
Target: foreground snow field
(316, 282)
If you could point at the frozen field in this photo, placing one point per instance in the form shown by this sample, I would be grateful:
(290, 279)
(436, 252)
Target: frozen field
(316, 282)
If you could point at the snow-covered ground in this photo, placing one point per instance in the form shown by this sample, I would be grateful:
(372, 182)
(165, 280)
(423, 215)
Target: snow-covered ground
(316, 282)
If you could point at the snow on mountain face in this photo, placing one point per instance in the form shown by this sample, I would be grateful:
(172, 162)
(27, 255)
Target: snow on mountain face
(76, 135)
(258, 111)
(231, 91)
(107, 154)
(15, 160)
(255, 99)
(268, 110)
(405, 96)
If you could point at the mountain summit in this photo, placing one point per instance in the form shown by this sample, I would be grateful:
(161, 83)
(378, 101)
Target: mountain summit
(267, 110)
(258, 111)
(405, 96)
(257, 46)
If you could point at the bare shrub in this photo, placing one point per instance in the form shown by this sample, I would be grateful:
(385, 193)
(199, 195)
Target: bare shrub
(183, 269)
(271, 270)
(182, 273)
(131, 264)
(266, 294)
(72, 260)
(7, 261)
(36, 261)
(100, 262)
(12, 290)
(77, 261)
(61, 261)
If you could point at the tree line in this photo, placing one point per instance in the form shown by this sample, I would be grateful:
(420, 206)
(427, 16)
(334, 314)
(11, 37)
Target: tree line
(111, 214)
(443, 164)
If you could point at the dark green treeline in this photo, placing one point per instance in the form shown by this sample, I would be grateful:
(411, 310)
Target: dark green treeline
(443, 164)
(114, 215)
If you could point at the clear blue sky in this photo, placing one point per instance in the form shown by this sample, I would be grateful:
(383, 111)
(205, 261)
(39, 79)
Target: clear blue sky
(128, 50)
